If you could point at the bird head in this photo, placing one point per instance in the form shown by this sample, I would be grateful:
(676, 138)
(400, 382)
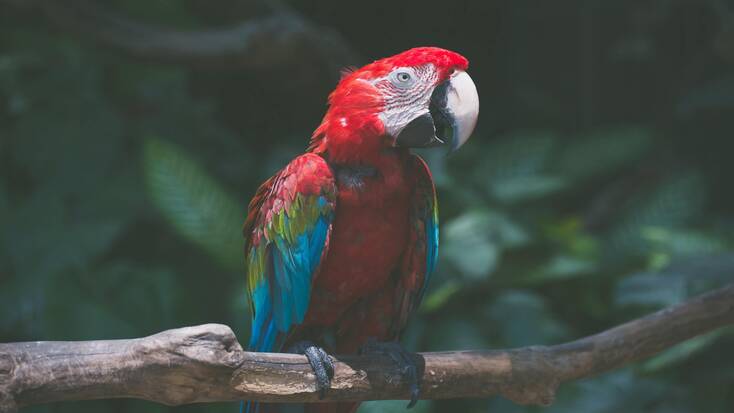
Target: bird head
(422, 97)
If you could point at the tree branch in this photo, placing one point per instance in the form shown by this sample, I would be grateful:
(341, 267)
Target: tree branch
(283, 37)
(206, 363)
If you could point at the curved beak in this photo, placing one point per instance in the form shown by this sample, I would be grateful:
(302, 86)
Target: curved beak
(451, 116)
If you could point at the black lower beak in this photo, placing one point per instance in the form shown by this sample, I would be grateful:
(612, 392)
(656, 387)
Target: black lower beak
(434, 128)
(419, 133)
(443, 120)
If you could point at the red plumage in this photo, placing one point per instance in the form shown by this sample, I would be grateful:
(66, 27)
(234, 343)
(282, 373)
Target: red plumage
(372, 275)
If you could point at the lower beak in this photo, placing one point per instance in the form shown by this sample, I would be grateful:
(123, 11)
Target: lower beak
(451, 116)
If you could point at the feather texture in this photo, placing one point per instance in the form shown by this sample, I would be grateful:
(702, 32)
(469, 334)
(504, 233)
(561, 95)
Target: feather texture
(421, 253)
(287, 232)
(362, 278)
(426, 213)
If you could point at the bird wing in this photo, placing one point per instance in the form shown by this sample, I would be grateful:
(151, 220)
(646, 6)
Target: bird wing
(287, 234)
(420, 258)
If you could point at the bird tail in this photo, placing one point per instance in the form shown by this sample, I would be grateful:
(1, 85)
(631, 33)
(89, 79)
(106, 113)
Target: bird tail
(262, 341)
(249, 407)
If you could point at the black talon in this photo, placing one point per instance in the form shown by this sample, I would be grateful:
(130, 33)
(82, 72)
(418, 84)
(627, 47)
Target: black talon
(320, 361)
(405, 361)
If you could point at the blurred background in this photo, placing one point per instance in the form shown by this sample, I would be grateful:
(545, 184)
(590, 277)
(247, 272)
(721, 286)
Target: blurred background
(597, 187)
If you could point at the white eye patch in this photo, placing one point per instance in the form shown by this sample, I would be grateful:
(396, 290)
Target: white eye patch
(407, 94)
(403, 77)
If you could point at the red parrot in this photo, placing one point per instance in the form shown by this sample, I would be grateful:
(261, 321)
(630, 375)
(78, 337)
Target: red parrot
(341, 243)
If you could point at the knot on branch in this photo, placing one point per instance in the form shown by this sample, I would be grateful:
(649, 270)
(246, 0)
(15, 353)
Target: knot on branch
(208, 344)
(187, 364)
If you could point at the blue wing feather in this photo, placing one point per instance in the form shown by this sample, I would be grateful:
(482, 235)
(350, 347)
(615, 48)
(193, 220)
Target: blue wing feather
(287, 234)
(431, 226)
(427, 213)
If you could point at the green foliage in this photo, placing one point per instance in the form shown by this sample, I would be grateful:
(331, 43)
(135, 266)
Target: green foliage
(538, 269)
(675, 202)
(605, 194)
(524, 317)
(194, 203)
(514, 170)
(616, 392)
(602, 151)
(475, 240)
(394, 406)
(682, 352)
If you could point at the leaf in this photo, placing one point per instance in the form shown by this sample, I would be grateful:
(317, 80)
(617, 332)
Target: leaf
(195, 205)
(618, 391)
(681, 352)
(474, 241)
(673, 203)
(513, 168)
(525, 188)
(440, 296)
(603, 151)
(683, 242)
(570, 234)
(519, 154)
(650, 289)
(561, 267)
(523, 318)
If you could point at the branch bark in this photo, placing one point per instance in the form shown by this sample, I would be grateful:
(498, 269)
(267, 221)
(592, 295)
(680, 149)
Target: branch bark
(283, 37)
(206, 363)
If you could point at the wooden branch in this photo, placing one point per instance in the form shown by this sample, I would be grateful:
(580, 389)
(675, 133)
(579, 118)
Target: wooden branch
(206, 363)
(283, 37)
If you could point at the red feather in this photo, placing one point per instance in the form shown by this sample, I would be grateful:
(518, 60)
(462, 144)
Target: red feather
(373, 274)
(351, 130)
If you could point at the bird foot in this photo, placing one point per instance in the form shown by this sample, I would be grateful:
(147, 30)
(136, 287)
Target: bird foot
(320, 361)
(404, 359)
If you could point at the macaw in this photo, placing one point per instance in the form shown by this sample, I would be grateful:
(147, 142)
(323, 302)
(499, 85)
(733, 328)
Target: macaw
(341, 243)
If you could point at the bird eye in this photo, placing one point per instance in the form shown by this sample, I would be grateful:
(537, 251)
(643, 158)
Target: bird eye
(402, 78)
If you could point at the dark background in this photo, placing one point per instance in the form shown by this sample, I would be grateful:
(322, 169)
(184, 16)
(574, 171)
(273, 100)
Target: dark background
(597, 187)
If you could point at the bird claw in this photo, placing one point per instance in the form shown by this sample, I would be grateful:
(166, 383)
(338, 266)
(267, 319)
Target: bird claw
(321, 364)
(403, 358)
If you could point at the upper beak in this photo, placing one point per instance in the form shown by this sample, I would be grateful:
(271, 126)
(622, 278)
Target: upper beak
(451, 116)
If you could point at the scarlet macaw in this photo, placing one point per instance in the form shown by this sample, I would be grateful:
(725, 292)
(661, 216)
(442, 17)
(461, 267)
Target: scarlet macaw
(341, 243)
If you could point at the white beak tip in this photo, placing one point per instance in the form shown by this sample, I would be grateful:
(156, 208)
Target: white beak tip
(463, 104)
